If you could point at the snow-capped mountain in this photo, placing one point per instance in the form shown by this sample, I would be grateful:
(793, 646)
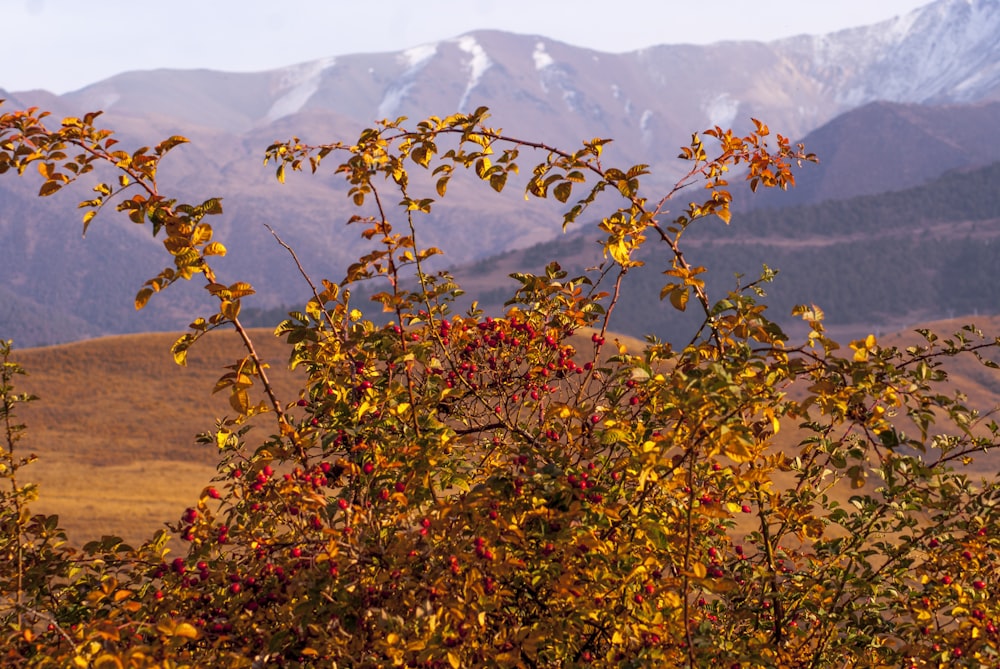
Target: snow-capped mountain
(947, 51)
(648, 101)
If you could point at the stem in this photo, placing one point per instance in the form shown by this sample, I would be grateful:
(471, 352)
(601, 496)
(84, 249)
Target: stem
(308, 280)
(6, 386)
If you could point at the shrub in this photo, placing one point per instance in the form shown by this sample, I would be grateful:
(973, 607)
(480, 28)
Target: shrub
(463, 490)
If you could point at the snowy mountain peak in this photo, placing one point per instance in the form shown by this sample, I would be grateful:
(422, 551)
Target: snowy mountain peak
(946, 51)
(541, 56)
(296, 84)
(477, 65)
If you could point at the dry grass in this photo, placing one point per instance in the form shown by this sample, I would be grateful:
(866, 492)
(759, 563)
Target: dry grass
(115, 427)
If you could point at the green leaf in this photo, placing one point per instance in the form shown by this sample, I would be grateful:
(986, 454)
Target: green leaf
(563, 191)
(48, 188)
(497, 181)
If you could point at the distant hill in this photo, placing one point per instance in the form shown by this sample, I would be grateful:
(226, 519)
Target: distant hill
(116, 422)
(885, 146)
(873, 263)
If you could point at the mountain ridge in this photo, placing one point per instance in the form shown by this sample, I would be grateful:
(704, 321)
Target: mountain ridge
(646, 100)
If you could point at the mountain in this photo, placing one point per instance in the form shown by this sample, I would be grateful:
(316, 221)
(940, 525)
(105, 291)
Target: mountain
(649, 100)
(872, 263)
(887, 146)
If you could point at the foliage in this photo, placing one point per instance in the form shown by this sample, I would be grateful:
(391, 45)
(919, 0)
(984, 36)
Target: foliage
(457, 490)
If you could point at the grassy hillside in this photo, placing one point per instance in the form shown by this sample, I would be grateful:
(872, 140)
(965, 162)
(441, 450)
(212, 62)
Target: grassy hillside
(115, 425)
(116, 421)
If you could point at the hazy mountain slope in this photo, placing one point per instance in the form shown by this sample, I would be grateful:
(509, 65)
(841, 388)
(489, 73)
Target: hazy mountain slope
(649, 101)
(885, 146)
(947, 51)
(871, 263)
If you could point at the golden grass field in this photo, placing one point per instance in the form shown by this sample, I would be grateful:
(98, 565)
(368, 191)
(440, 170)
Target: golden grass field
(116, 420)
(115, 427)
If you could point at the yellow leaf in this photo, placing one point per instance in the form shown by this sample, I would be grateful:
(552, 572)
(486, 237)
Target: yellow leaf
(454, 660)
(142, 297)
(240, 401)
(699, 570)
(222, 438)
(230, 309)
(87, 218)
(618, 251)
(202, 233)
(106, 661)
(738, 450)
(186, 630)
(215, 249)
(671, 600)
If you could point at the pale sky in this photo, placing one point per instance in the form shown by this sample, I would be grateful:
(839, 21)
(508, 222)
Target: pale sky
(63, 45)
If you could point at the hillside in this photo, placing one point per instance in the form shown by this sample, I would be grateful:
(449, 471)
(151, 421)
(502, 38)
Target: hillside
(886, 146)
(115, 423)
(115, 426)
(874, 263)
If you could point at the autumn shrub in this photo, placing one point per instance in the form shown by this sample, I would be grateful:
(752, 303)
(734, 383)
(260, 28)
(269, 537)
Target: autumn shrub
(455, 489)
